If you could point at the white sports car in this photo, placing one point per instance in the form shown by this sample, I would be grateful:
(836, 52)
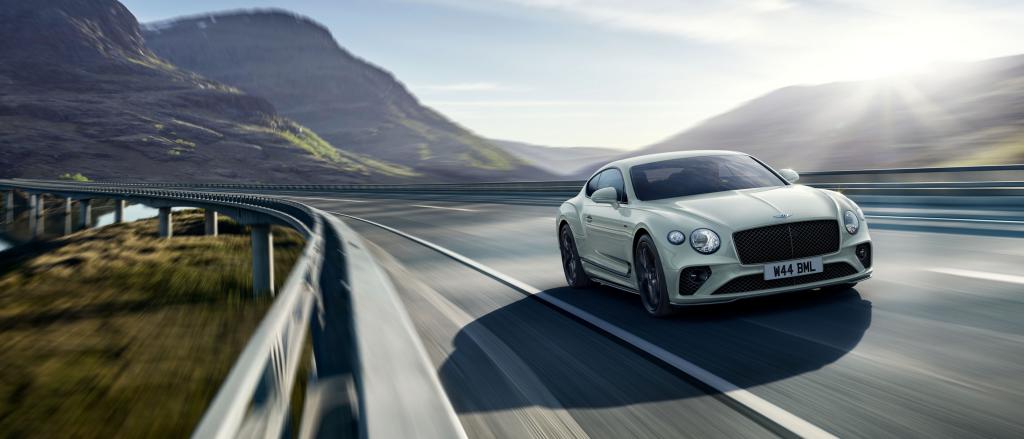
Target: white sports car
(709, 226)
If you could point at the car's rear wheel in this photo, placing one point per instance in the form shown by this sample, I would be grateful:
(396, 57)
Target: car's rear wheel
(571, 264)
(651, 278)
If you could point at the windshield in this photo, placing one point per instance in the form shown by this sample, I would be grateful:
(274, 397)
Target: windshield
(700, 175)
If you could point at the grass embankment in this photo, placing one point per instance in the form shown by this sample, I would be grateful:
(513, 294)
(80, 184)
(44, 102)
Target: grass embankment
(114, 332)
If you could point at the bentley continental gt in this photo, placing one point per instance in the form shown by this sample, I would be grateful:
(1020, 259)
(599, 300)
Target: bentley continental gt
(699, 227)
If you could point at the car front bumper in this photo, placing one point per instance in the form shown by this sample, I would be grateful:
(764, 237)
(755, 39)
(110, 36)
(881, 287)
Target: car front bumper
(725, 269)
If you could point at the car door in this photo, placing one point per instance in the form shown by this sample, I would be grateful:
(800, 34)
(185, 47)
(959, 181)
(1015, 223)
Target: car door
(607, 226)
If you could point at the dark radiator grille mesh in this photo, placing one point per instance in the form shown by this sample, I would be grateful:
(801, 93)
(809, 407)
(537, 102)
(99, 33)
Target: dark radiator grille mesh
(783, 242)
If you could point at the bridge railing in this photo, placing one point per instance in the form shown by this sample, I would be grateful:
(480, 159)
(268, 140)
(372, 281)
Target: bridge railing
(336, 296)
(1007, 179)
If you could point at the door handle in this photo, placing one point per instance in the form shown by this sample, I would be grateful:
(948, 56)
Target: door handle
(590, 218)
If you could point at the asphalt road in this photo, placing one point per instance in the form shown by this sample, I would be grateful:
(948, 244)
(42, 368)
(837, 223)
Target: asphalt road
(932, 346)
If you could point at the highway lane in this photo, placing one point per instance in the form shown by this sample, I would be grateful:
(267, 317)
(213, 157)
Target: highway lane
(931, 347)
(514, 368)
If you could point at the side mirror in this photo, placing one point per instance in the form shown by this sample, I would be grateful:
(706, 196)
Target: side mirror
(790, 175)
(605, 195)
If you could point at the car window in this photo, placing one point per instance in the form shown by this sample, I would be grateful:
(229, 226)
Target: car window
(592, 184)
(700, 175)
(613, 178)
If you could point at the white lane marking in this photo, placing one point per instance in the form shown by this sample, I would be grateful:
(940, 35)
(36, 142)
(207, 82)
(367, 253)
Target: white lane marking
(998, 277)
(327, 199)
(460, 209)
(542, 402)
(927, 218)
(782, 418)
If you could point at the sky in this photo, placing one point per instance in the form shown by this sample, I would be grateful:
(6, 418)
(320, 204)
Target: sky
(628, 73)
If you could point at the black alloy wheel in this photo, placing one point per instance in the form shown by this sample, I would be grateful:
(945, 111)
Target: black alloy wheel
(651, 278)
(571, 264)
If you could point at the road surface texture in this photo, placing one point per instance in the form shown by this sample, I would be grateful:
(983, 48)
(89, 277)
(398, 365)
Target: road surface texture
(931, 346)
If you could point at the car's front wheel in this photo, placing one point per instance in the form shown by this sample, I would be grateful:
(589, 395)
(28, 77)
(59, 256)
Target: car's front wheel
(651, 278)
(571, 264)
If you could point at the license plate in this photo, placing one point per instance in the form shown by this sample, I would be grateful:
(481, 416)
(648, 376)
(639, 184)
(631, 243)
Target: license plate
(800, 267)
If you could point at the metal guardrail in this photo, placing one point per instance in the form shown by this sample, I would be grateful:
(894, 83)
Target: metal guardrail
(363, 342)
(930, 193)
(1003, 180)
(1012, 170)
(924, 170)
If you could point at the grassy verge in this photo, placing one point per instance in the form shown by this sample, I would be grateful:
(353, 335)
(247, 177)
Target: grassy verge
(114, 332)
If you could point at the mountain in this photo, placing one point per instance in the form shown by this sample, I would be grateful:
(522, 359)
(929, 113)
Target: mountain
(965, 113)
(574, 162)
(81, 93)
(298, 66)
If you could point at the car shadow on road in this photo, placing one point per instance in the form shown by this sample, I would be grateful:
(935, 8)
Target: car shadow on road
(749, 343)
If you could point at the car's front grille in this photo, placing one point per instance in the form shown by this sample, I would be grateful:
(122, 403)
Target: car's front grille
(756, 282)
(782, 242)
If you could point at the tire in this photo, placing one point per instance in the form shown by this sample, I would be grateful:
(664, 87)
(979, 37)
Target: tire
(572, 266)
(651, 278)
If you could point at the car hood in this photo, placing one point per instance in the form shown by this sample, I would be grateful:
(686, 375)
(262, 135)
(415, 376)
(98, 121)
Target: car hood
(743, 209)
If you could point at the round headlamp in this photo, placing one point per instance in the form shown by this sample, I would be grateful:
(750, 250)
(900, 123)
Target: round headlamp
(705, 241)
(851, 222)
(676, 237)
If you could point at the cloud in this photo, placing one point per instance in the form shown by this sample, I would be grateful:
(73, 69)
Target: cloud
(804, 40)
(791, 24)
(721, 52)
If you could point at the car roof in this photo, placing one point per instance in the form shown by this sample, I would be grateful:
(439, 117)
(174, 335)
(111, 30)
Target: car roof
(650, 158)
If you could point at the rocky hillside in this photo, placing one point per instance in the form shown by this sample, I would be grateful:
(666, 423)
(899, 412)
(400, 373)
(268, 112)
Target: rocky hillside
(969, 113)
(296, 64)
(83, 94)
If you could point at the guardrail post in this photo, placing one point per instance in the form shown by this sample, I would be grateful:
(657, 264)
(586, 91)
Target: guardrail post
(36, 216)
(166, 224)
(84, 213)
(119, 211)
(68, 213)
(211, 222)
(10, 206)
(262, 259)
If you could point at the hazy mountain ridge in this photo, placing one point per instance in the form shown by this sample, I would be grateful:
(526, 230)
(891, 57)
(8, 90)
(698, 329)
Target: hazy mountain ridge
(297, 65)
(969, 113)
(83, 94)
(572, 162)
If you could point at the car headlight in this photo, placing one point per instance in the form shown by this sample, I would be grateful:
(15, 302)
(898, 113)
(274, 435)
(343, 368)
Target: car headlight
(851, 222)
(676, 237)
(705, 241)
(856, 208)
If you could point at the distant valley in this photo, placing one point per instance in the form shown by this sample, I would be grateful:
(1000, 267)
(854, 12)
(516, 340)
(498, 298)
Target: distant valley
(573, 162)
